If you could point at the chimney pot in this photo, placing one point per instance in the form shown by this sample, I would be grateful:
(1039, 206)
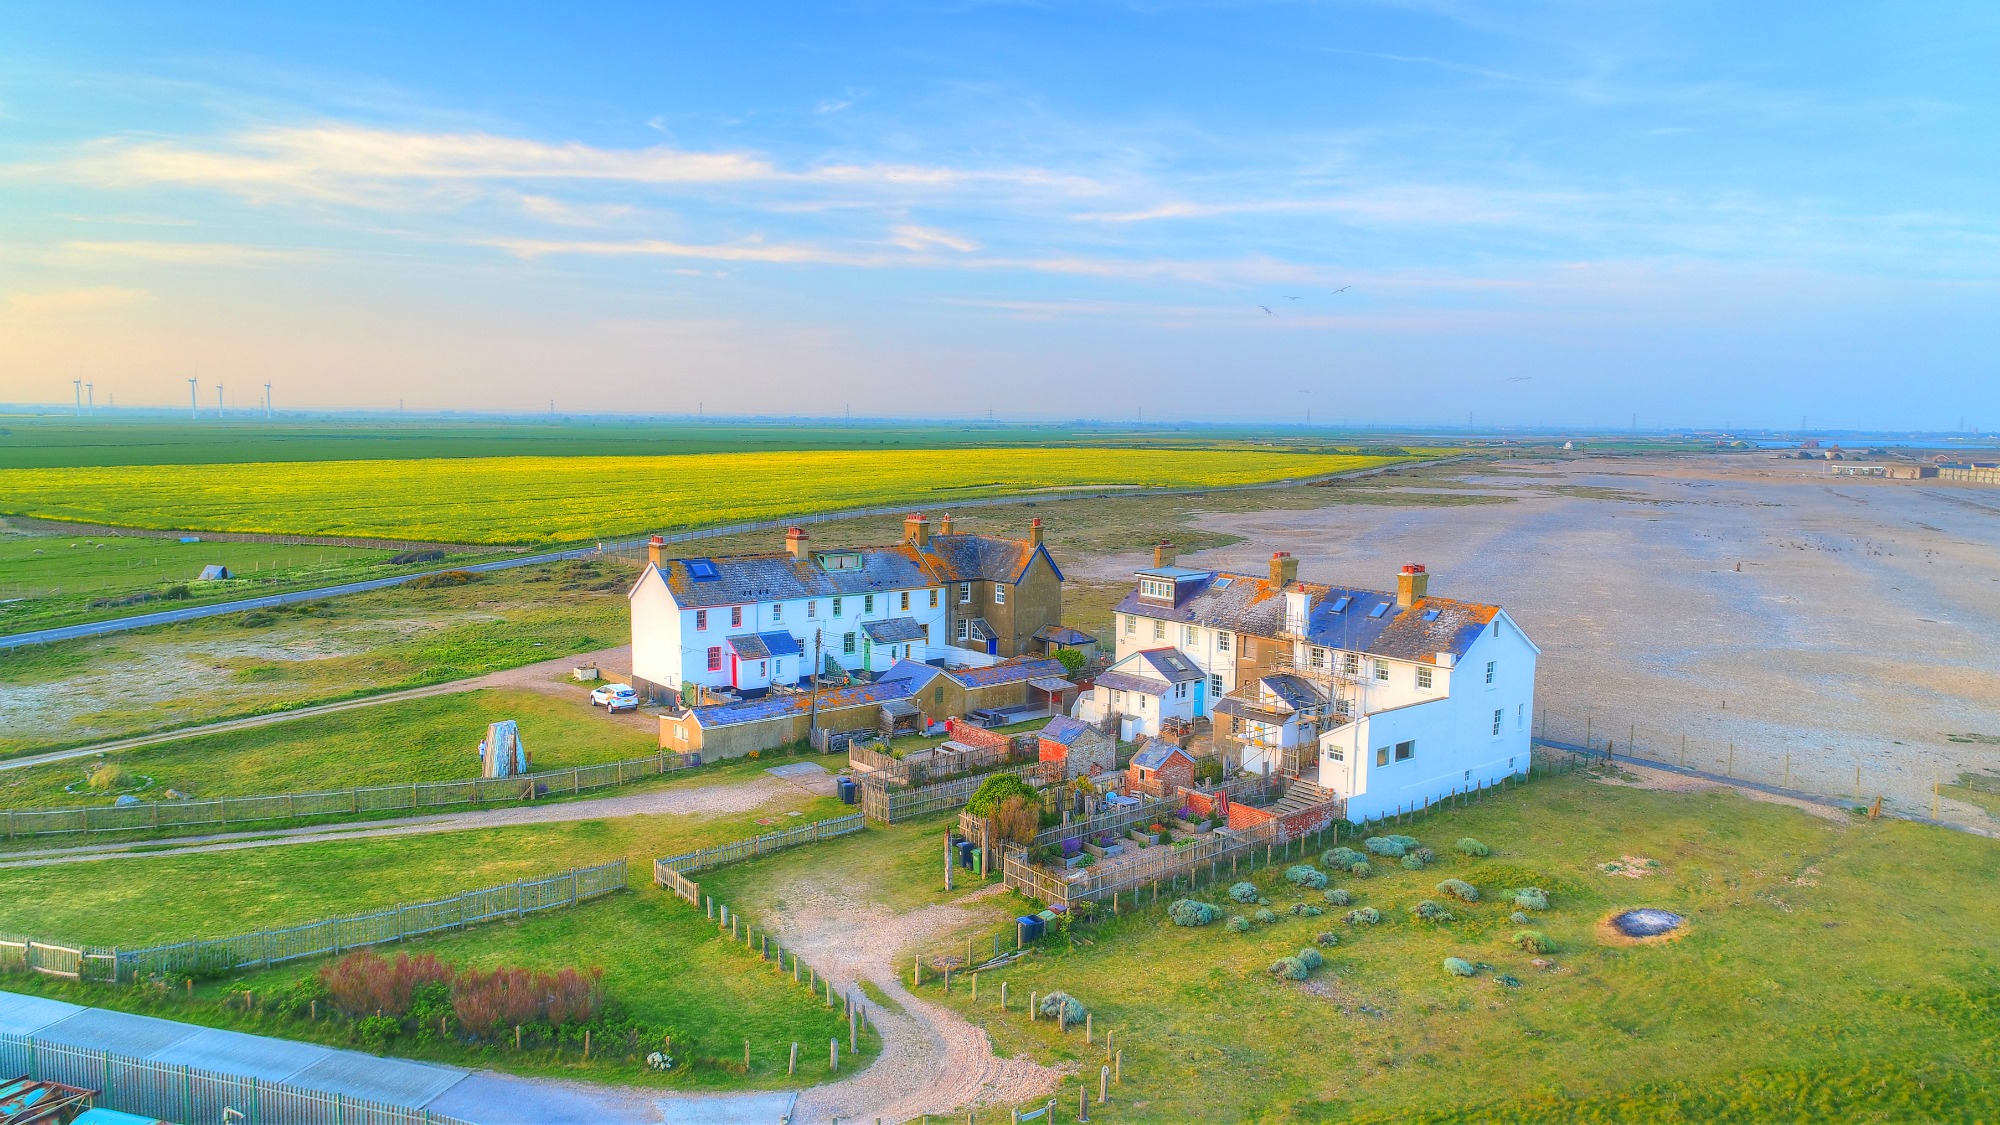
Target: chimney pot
(1284, 569)
(916, 530)
(1035, 531)
(1163, 553)
(944, 524)
(1413, 585)
(656, 550)
(795, 543)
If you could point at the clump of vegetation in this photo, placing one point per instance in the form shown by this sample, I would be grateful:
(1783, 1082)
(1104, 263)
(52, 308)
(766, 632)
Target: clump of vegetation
(1310, 958)
(1428, 911)
(995, 790)
(1459, 889)
(1063, 1006)
(1459, 967)
(1388, 847)
(1265, 915)
(1342, 858)
(408, 558)
(1362, 916)
(1414, 862)
(1243, 892)
(1306, 910)
(1467, 846)
(1361, 869)
(1327, 939)
(178, 592)
(365, 983)
(1306, 876)
(107, 777)
(1533, 941)
(1518, 918)
(1338, 896)
(1291, 968)
(1070, 659)
(257, 619)
(1238, 924)
(1017, 819)
(1188, 912)
(1531, 898)
(444, 578)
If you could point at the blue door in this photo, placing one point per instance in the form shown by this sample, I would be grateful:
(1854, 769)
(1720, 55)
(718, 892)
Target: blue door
(993, 646)
(1200, 698)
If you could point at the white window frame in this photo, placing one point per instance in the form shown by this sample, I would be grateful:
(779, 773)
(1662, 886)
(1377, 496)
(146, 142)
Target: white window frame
(999, 593)
(867, 604)
(965, 628)
(965, 593)
(1222, 642)
(1490, 666)
(1215, 683)
(1337, 753)
(836, 607)
(1159, 630)
(736, 617)
(777, 611)
(1131, 624)
(1423, 678)
(1498, 714)
(1382, 757)
(1381, 670)
(1351, 664)
(1404, 755)
(1317, 658)
(905, 603)
(812, 609)
(1180, 691)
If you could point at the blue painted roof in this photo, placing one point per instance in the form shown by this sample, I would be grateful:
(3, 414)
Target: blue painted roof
(1250, 604)
(1065, 730)
(1017, 671)
(778, 706)
(1156, 754)
(1175, 572)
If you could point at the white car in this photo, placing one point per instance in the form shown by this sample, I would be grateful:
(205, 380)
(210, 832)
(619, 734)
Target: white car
(615, 698)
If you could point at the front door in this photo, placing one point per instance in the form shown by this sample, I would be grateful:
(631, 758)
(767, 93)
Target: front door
(993, 646)
(1200, 698)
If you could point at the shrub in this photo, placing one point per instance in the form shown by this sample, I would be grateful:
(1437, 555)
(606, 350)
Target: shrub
(1428, 911)
(1063, 1006)
(1388, 847)
(997, 789)
(1208, 771)
(1470, 847)
(1459, 889)
(1070, 659)
(297, 998)
(1531, 898)
(572, 997)
(1458, 967)
(1188, 912)
(1306, 910)
(1265, 915)
(1310, 958)
(1239, 924)
(1017, 819)
(1363, 916)
(363, 984)
(178, 592)
(1327, 939)
(488, 1003)
(1340, 859)
(1413, 861)
(1534, 941)
(407, 558)
(1425, 854)
(446, 578)
(1243, 892)
(375, 1032)
(1408, 842)
(257, 619)
(1338, 896)
(108, 776)
(1518, 918)
(1291, 968)
(1304, 875)
(1361, 869)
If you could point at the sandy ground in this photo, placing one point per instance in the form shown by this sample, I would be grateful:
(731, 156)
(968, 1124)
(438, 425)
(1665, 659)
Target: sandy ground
(1858, 632)
(932, 1061)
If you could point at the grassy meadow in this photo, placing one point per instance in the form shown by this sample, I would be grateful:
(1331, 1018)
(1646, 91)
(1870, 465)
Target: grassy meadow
(569, 499)
(431, 739)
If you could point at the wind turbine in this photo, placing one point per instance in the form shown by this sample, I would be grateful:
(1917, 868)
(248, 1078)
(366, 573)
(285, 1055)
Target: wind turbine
(267, 402)
(194, 401)
(90, 399)
(218, 400)
(78, 384)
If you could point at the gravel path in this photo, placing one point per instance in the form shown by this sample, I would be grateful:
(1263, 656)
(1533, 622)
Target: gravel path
(933, 1061)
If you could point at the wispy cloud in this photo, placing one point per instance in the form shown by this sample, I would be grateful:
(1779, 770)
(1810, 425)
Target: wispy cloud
(183, 253)
(60, 301)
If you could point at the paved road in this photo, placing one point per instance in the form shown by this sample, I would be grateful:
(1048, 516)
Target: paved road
(479, 1097)
(191, 613)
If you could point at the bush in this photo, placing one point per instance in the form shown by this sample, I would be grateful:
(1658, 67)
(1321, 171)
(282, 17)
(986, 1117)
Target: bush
(1534, 941)
(1458, 967)
(1306, 910)
(1468, 846)
(377, 1031)
(997, 789)
(1310, 958)
(407, 558)
(1327, 939)
(1265, 915)
(1188, 912)
(1428, 911)
(108, 776)
(1070, 659)
(257, 619)
(1361, 869)
(1340, 859)
(1239, 924)
(364, 984)
(1243, 892)
(1459, 889)
(1207, 771)
(1425, 854)
(1061, 1005)
(1304, 875)
(1388, 847)
(178, 592)
(446, 578)
(298, 998)
(1017, 819)
(1363, 916)
(1338, 896)
(1408, 842)
(1413, 861)
(1531, 898)
(1291, 968)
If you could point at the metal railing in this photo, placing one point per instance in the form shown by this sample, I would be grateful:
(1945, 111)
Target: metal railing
(172, 1092)
(359, 801)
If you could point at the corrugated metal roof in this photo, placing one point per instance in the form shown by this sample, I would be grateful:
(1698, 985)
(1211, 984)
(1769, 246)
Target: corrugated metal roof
(1050, 683)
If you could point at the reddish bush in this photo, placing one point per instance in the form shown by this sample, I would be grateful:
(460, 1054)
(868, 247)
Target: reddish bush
(362, 984)
(487, 1003)
(573, 997)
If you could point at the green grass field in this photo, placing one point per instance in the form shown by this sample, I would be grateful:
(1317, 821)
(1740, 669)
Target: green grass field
(431, 739)
(569, 499)
(661, 959)
(100, 688)
(1833, 971)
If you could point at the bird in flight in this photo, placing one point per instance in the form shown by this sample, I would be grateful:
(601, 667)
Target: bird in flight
(1342, 289)
(1519, 378)
(1289, 297)
(1267, 310)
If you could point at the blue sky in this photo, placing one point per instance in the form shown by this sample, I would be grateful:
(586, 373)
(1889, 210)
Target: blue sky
(1562, 213)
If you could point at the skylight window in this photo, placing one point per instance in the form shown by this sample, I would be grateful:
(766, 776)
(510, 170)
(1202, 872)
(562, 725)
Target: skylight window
(1223, 583)
(1379, 610)
(701, 570)
(1341, 603)
(1430, 615)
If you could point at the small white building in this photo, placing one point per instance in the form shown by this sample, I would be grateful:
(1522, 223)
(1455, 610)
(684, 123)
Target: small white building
(1146, 688)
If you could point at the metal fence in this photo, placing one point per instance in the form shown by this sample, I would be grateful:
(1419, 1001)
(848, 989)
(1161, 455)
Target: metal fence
(264, 948)
(186, 1093)
(361, 801)
(887, 806)
(759, 845)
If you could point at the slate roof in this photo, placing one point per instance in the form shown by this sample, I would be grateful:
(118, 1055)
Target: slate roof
(778, 706)
(966, 557)
(894, 629)
(916, 674)
(1126, 681)
(1064, 635)
(1156, 754)
(1250, 604)
(742, 579)
(1294, 691)
(763, 646)
(1015, 671)
(1064, 730)
(1170, 664)
(979, 630)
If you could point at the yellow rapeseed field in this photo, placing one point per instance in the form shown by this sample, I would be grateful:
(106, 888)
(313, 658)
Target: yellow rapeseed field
(575, 499)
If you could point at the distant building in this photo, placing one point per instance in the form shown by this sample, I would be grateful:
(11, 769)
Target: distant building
(215, 573)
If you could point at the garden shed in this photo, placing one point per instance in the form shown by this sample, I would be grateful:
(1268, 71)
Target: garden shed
(215, 572)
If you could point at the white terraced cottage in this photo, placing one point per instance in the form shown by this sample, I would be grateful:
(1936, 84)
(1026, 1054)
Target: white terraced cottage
(745, 624)
(1389, 700)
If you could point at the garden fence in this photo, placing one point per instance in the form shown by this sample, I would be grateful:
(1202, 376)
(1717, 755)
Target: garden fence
(887, 806)
(884, 771)
(264, 948)
(174, 1092)
(759, 845)
(360, 801)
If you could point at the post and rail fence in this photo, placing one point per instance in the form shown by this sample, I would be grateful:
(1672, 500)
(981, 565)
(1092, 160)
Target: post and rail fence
(671, 871)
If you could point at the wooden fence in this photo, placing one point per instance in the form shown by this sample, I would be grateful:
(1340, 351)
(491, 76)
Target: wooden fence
(174, 1092)
(363, 801)
(875, 768)
(887, 806)
(264, 948)
(760, 845)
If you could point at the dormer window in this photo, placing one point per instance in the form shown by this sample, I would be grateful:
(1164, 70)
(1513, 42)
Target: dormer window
(844, 560)
(1156, 588)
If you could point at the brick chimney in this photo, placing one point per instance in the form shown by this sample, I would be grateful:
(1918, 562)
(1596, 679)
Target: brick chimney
(1163, 553)
(1412, 585)
(944, 524)
(916, 530)
(795, 543)
(1284, 569)
(1035, 532)
(656, 551)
